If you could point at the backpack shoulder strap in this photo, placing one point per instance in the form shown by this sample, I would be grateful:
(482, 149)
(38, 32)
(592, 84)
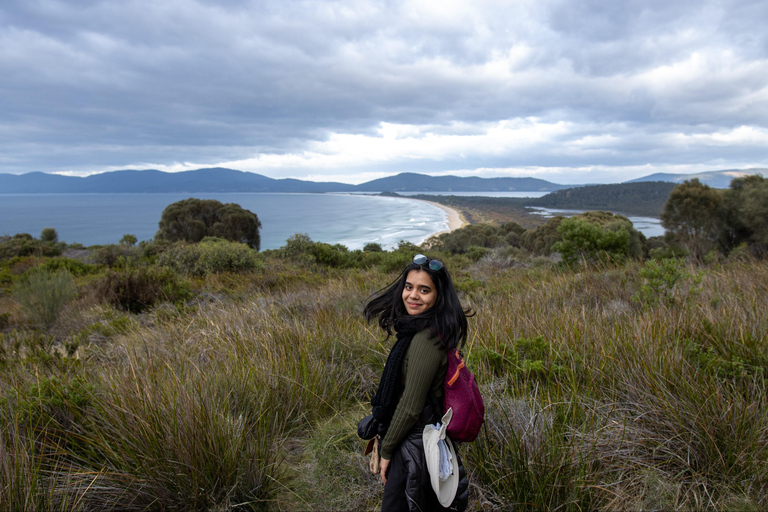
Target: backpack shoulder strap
(437, 407)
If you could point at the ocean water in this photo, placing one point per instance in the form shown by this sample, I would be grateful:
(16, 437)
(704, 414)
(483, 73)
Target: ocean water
(348, 219)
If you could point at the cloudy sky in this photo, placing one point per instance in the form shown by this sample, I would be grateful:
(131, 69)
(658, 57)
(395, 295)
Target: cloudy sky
(573, 91)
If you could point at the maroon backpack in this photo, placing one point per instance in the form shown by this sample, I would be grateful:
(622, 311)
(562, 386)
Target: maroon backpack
(462, 394)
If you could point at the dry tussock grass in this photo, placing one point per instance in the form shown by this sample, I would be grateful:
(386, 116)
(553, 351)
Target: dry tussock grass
(249, 394)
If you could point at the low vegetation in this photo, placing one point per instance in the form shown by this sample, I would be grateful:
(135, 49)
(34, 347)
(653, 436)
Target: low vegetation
(210, 376)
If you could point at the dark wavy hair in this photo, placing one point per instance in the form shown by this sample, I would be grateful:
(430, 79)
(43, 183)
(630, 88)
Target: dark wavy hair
(447, 316)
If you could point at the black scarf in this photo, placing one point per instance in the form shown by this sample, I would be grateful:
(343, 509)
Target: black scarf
(383, 401)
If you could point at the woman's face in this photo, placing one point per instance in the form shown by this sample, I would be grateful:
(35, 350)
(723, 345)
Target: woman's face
(419, 293)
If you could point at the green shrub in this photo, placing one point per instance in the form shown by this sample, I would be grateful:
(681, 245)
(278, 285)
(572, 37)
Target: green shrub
(474, 253)
(337, 256)
(6, 276)
(536, 360)
(211, 256)
(43, 295)
(662, 281)
(582, 239)
(298, 248)
(372, 247)
(24, 244)
(396, 261)
(129, 240)
(473, 236)
(150, 250)
(180, 258)
(74, 267)
(490, 362)
(105, 329)
(708, 360)
(741, 253)
(725, 360)
(217, 255)
(407, 248)
(539, 241)
(113, 255)
(54, 399)
(49, 235)
(533, 348)
(139, 289)
(5, 320)
(667, 252)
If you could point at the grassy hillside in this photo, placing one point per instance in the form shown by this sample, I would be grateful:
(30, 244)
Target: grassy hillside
(641, 386)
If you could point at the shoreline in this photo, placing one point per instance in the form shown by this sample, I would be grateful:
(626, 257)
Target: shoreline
(455, 219)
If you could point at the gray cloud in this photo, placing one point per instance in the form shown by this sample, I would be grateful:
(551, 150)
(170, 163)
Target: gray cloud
(298, 88)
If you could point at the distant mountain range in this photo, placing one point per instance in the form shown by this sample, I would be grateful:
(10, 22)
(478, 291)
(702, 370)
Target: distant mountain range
(201, 180)
(230, 180)
(715, 179)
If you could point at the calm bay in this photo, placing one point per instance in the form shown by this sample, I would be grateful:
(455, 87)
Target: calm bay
(348, 219)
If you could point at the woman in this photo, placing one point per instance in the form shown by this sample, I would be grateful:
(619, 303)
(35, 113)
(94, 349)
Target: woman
(422, 307)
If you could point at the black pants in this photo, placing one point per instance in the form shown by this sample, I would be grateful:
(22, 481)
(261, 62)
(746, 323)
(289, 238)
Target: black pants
(394, 499)
(408, 487)
(404, 492)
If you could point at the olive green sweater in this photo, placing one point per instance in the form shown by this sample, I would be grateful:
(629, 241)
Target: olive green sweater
(424, 367)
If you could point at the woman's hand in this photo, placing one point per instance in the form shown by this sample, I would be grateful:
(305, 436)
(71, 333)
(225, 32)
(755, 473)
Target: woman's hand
(384, 464)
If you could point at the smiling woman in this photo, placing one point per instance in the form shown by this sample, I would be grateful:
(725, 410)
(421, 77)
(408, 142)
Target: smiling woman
(419, 292)
(422, 308)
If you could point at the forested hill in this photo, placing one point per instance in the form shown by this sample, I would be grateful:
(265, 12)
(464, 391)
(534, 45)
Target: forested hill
(641, 198)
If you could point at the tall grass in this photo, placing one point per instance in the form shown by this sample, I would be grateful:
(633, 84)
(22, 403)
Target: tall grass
(33, 475)
(177, 440)
(247, 398)
(660, 407)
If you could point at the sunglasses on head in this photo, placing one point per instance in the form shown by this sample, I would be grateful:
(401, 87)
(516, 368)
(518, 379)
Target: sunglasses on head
(420, 259)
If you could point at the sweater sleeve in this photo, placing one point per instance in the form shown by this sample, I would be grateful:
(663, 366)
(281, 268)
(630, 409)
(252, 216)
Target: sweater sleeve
(422, 362)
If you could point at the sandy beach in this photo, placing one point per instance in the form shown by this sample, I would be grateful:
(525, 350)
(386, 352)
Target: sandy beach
(455, 220)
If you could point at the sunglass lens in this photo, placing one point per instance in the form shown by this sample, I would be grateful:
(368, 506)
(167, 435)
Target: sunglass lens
(420, 259)
(435, 265)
